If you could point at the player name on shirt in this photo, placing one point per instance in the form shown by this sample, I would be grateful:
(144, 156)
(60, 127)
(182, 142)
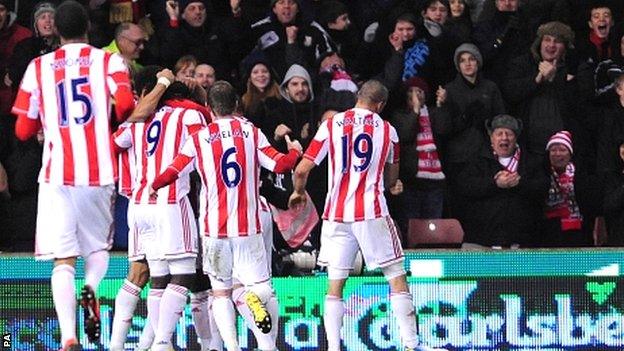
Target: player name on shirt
(224, 134)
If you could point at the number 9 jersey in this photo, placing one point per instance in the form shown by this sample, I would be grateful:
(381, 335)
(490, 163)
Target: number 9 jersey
(359, 144)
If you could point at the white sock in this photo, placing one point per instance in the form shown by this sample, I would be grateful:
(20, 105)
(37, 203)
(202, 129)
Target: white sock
(272, 306)
(265, 341)
(153, 306)
(147, 336)
(125, 304)
(226, 321)
(64, 297)
(96, 265)
(201, 319)
(216, 342)
(171, 307)
(403, 311)
(334, 312)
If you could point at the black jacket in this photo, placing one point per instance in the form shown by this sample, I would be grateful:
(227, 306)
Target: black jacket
(614, 207)
(502, 217)
(462, 122)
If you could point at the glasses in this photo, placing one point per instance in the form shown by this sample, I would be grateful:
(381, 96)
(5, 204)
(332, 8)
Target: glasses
(137, 42)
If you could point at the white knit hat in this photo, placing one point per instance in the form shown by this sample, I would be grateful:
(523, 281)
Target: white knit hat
(563, 137)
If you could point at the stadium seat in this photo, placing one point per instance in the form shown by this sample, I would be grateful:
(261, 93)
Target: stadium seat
(434, 233)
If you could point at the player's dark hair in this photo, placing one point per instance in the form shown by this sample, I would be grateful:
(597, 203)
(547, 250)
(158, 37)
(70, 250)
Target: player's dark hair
(71, 20)
(145, 79)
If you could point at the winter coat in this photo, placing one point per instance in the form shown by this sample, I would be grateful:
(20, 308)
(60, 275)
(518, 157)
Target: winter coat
(614, 207)
(462, 124)
(502, 217)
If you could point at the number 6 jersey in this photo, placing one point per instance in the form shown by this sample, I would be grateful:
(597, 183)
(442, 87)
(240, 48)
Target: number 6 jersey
(228, 155)
(359, 143)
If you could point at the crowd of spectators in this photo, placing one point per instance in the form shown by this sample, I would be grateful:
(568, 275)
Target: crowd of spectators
(510, 113)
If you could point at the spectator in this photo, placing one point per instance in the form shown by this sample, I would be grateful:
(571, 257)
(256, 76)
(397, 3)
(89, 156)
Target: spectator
(11, 33)
(502, 38)
(333, 33)
(459, 24)
(441, 43)
(205, 75)
(609, 70)
(129, 42)
(612, 131)
(191, 31)
(185, 67)
(260, 85)
(506, 187)
(420, 169)
(280, 35)
(293, 114)
(541, 90)
(44, 41)
(614, 200)
(465, 104)
(574, 198)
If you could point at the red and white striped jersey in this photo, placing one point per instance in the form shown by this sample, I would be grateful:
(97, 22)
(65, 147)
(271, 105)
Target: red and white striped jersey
(228, 155)
(155, 143)
(70, 90)
(359, 143)
(127, 164)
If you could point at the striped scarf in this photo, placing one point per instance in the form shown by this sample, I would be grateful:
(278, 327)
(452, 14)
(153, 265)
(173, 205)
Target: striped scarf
(429, 166)
(561, 202)
(512, 165)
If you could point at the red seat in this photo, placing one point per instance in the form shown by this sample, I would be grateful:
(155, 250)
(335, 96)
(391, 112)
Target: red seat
(434, 233)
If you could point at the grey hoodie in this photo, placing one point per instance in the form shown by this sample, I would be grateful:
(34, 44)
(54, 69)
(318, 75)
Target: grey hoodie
(295, 71)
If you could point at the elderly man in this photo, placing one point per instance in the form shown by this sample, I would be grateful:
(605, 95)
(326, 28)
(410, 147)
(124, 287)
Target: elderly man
(506, 186)
(191, 31)
(541, 90)
(129, 42)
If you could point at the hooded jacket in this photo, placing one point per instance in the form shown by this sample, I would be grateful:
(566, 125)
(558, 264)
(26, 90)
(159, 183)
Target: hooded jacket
(295, 71)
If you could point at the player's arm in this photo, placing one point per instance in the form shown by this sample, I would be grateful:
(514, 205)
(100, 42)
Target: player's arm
(300, 180)
(180, 162)
(147, 104)
(391, 170)
(276, 161)
(122, 138)
(171, 173)
(26, 105)
(118, 81)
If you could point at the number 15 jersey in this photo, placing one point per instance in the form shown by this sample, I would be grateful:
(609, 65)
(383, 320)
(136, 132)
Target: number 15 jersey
(71, 91)
(359, 144)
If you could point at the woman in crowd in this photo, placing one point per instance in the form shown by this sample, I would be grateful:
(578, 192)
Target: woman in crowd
(260, 85)
(458, 23)
(573, 197)
(185, 67)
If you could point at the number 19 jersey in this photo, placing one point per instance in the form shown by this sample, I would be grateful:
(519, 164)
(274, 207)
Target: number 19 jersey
(359, 144)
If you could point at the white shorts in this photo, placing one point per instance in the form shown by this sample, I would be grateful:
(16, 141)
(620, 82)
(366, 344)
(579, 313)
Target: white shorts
(135, 249)
(376, 238)
(161, 268)
(240, 257)
(266, 223)
(73, 220)
(165, 231)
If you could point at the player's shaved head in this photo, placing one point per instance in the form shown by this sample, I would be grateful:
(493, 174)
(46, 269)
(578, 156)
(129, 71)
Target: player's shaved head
(222, 98)
(71, 20)
(373, 92)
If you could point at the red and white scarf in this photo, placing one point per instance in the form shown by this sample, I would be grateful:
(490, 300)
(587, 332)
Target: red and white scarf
(511, 165)
(429, 166)
(561, 202)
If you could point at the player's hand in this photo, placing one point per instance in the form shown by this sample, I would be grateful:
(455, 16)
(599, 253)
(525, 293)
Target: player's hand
(153, 194)
(167, 73)
(280, 131)
(173, 10)
(191, 83)
(297, 200)
(293, 144)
